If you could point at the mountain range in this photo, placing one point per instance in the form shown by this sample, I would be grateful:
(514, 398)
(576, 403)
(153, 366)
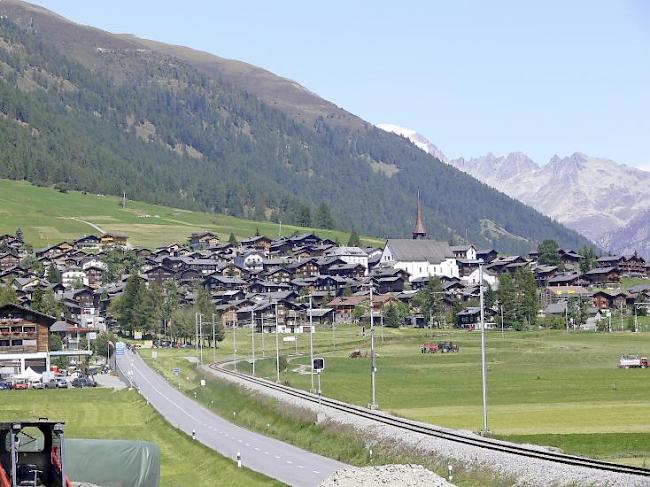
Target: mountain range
(605, 201)
(106, 113)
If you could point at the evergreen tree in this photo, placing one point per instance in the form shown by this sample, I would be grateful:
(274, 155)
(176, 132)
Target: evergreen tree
(547, 253)
(323, 217)
(232, 240)
(354, 240)
(589, 258)
(53, 275)
(37, 300)
(19, 234)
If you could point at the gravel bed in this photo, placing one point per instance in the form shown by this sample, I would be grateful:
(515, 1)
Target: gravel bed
(389, 475)
(526, 471)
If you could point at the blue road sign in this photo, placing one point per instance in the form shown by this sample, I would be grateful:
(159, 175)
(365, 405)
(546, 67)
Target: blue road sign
(120, 348)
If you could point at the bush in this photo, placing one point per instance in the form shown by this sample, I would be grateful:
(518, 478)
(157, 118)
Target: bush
(55, 343)
(62, 187)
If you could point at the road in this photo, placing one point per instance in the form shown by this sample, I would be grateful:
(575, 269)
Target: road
(271, 457)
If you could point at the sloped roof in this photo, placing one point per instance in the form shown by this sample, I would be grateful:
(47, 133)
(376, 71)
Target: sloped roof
(433, 251)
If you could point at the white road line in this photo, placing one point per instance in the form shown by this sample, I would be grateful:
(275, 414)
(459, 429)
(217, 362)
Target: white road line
(256, 449)
(300, 466)
(289, 462)
(315, 471)
(276, 457)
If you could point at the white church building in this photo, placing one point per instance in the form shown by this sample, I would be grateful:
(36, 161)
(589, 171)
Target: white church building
(419, 256)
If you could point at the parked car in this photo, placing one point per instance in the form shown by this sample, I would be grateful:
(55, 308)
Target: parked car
(61, 383)
(4, 385)
(37, 384)
(83, 382)
(21, 385)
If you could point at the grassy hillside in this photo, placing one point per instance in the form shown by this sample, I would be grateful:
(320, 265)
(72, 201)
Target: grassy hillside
(48, 216)
(105, 114)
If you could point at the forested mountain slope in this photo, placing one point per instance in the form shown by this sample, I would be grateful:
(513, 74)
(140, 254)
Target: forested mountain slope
(108, 113)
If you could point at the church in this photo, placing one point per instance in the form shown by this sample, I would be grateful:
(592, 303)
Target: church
(419, 256)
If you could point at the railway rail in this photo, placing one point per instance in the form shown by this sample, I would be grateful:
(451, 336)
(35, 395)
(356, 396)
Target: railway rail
(431, 430)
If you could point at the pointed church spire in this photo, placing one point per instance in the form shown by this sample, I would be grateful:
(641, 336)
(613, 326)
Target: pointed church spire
(419, 232)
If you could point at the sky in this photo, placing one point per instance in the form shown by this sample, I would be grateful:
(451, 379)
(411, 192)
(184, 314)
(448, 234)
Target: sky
(544, 78)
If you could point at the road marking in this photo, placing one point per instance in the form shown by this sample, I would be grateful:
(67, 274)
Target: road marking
(247, 444)
(300, 466)
(277, 457)
(315, 471)
(238, 441)
(256, 449)
(266, 453)
(289, 462)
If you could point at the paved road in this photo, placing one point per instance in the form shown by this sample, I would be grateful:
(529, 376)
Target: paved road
(266, 455)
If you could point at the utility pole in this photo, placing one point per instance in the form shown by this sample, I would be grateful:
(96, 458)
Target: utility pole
(214, 342)
(234, 344)
(201, 337)
(277, 345)
(196, 332)
(483, 365)
(566, 315)
(253, 340)
(373, 364)
(311, 344)
(501, 306)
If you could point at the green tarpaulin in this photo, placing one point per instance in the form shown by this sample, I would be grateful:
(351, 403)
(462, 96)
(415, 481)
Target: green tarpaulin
(113, 463)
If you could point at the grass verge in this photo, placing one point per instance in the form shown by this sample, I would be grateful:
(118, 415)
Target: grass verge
(301, 427)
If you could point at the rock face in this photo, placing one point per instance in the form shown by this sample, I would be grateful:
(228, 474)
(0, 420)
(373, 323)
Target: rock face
(389, 475)
(605, 201)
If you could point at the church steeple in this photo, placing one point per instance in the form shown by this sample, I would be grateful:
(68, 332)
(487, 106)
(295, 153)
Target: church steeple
(419, 232)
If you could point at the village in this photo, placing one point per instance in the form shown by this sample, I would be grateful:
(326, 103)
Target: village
(71, 289)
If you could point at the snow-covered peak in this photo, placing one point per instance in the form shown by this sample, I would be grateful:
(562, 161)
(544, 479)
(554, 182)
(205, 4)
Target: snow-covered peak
(417, 139)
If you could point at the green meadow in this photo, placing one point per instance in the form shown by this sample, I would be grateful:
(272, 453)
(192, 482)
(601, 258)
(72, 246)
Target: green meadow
(48, 216)
(547, 387)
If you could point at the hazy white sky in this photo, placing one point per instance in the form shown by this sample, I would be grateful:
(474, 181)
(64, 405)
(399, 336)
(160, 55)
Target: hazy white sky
(473, 76)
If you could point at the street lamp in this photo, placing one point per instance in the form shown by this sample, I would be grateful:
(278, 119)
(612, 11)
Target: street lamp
(483, 367)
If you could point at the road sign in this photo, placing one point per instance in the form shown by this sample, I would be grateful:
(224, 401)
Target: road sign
(289, 339)
(176, 370)
(319, 363)
(120, 347)
(92, 335)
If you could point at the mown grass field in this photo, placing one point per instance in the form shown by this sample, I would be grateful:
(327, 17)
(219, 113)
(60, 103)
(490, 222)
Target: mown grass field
(545, 387)
(104, 414)
(47, 216)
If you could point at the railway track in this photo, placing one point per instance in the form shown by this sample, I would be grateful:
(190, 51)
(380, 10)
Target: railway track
(457, 437)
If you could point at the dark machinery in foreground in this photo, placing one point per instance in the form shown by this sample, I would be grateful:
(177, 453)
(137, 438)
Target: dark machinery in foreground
(31, 454)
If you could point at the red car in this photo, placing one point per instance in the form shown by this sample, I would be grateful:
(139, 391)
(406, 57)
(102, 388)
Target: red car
(21, 385)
